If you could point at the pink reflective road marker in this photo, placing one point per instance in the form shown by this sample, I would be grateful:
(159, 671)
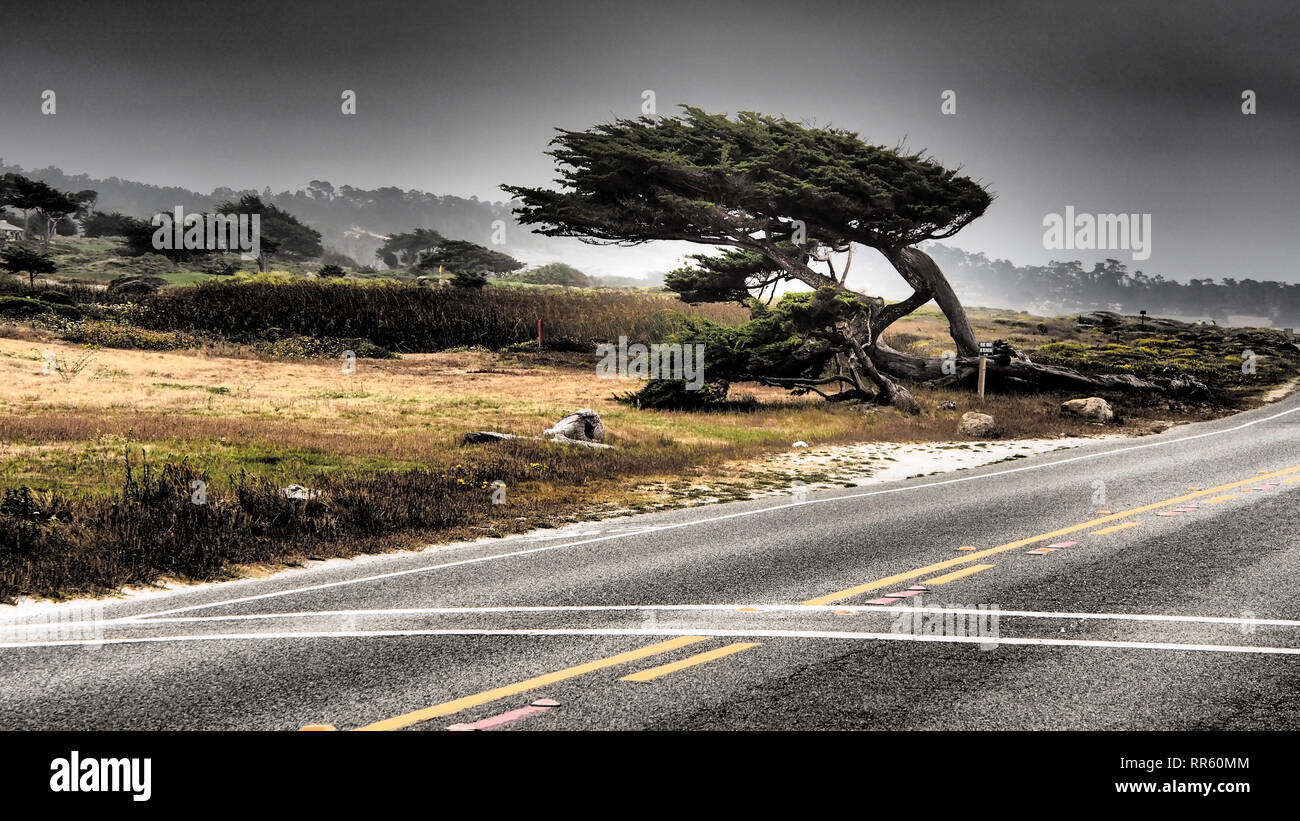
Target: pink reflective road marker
(541, 705)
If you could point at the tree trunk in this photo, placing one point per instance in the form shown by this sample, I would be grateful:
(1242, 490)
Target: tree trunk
(881, 364)
(1021, 373)
(891, 393)
(923, 274)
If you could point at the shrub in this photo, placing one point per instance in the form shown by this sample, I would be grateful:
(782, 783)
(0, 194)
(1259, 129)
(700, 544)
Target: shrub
(469, 279)
(114, 335)
(21, 306)
(672, 394)
(135, 286)
(310, 346)
(404, 317)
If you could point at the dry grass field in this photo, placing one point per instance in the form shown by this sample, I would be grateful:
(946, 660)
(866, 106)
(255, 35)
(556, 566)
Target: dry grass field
(291, 419)
(97, 460)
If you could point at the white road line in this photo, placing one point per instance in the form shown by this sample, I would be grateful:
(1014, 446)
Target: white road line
(606, 608)
(771, 634)
(695, 522)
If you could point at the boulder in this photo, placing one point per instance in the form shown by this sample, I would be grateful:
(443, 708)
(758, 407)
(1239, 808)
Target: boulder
(1094, 409)
(582, 428)
(579, 426)
(561, 439)
(977, 425)
(300, 492)
(478, 437)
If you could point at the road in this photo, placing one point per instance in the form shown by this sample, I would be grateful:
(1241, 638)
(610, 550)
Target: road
(1173, 605)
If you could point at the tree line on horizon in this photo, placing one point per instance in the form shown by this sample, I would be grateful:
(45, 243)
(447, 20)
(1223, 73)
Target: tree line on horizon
(352, 221)
(44, 209)
(1069, 286)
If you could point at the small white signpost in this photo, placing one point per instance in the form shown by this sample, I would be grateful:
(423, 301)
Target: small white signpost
(986, 350)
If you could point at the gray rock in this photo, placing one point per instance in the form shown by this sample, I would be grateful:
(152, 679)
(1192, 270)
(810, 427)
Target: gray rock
(579, 426)
(478, 437)
(561, 439)
(300, 492)
(1094, 409)
(977, 425)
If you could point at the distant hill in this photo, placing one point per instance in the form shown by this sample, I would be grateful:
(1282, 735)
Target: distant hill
(354, 221)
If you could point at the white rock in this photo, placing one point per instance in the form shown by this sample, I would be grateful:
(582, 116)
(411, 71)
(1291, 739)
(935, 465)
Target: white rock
(1094, 408)
(977, 425)
(300, 492)
(581, 426)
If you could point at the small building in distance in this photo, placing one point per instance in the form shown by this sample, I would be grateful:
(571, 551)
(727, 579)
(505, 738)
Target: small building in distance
(9, 232)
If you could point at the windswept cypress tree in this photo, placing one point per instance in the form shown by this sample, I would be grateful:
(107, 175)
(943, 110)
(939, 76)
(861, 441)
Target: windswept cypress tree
(787, 202)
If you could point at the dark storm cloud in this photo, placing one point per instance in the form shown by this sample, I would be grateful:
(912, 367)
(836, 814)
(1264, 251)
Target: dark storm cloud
(1107, 107)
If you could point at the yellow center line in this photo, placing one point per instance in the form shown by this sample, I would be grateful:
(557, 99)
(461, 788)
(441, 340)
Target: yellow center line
(455, 706)
(957, 574)
(701, 658)
(1114, 528)
(1228, 496)
(831, 598)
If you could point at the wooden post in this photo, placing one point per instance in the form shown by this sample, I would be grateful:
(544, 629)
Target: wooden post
(539, 334)
(983, 364)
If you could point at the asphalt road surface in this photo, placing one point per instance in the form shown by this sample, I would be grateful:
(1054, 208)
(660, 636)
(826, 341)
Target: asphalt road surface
(1173, 604)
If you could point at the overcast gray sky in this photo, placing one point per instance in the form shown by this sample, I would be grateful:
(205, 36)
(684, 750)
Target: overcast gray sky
(1131, 107)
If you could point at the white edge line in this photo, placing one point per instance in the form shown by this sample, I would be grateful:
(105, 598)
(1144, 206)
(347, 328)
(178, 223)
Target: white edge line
(798, 634)
(791, 608)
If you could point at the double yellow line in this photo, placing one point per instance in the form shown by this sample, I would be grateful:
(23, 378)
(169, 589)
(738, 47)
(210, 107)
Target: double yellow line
(449, 707)
(888, 581)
